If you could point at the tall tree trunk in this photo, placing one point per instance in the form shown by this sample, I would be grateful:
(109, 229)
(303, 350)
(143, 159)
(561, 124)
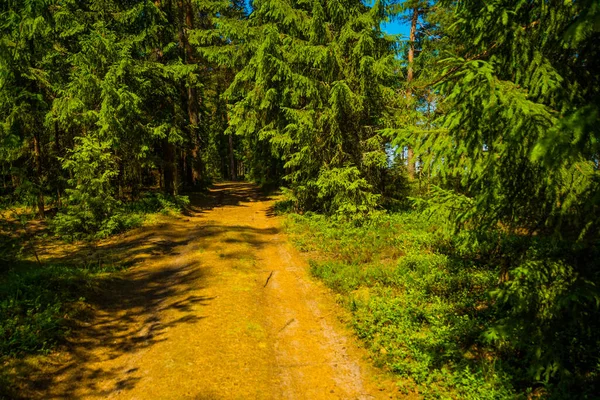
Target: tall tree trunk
(120, 180)
(411, 49)
(197, 168)
(409, 78)
(196, 158)
(168, 167)
(177, 171)
(135, 186)
(14, 178)
(37, 151)
(233, 172)
(192, 94)
(58, 150)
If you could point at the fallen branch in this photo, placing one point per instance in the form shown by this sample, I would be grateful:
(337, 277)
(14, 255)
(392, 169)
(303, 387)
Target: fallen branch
(286, 325)
(270, 275)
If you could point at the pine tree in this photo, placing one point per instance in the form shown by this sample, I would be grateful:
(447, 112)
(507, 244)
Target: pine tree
(418, 100)
(517, 153)
(28, 61)
(313, 93)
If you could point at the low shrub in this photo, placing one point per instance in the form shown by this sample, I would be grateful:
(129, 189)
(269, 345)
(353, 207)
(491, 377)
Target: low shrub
(459, 316)
(84, 222)
(37, 302)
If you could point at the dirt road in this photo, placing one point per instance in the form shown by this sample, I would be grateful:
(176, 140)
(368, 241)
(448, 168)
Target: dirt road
(218, 305)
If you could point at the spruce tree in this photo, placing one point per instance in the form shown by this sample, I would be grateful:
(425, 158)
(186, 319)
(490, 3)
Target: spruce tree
(314, 92)
(517, 153)
(30, 60)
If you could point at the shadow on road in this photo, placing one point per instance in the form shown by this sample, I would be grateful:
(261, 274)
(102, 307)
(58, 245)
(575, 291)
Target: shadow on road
(123, 312)
(228, 194)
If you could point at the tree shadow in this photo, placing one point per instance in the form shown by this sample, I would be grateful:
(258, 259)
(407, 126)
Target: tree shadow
(124, 313)
(228, 194)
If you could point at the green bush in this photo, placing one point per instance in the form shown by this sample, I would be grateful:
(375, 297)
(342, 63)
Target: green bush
(344, 192)
(36, 303)
(465, 315)
(152, 202)
(77, 223)
(80, 221)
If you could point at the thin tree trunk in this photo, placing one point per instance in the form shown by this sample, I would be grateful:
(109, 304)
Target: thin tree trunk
(161, 180)
(14, 178)
(168, 167)
(135, 185)
(410, 158)
(411, 49)
(192, 95)
(177, 171)
(233, 172)
(409, 78)
(121, 180)
(58, 150)
(38, 166)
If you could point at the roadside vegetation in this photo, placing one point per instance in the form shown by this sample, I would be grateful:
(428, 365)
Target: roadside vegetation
(42, 295)
(439, 309)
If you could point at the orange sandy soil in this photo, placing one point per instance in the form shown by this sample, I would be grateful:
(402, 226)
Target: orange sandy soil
(194, 317)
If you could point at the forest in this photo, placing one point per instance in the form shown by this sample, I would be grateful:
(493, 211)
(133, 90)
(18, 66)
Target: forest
(448, 179)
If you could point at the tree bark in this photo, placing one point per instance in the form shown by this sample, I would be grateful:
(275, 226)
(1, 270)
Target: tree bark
(120, 180)
(192, 96)
(168, 167)
(38, 167)
(411, 49)
(409, 78)
(58, 150)
(233, 172)
(410, 157)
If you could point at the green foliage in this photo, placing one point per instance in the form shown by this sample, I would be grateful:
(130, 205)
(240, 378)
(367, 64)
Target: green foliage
(345, 193)
(153, 202)
(95, 105)
(80, 222)
(9, 243)
(492, 288)
(316, 85)
(76, 225)
(552, 288)
(91, 201)
(99, 100)
(36, 304)
(517, 136)
(396, 188)
(513, 153)
(430, 307)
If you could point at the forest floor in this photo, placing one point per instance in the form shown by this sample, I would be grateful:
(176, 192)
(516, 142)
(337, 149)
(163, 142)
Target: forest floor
(216, 305)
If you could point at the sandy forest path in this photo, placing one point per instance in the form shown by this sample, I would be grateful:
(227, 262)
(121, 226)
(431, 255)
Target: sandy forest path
(217, 305)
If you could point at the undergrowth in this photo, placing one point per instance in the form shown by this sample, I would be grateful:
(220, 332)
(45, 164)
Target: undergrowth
(427, 306)
(40, 300)
(38, 307)
(37, 302)
(89, 221)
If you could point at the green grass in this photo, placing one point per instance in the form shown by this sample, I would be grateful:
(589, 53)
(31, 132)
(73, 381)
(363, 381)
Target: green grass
(39, 305)
(420, 311)
(469, 315)
(38, 302)
(78, 222)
